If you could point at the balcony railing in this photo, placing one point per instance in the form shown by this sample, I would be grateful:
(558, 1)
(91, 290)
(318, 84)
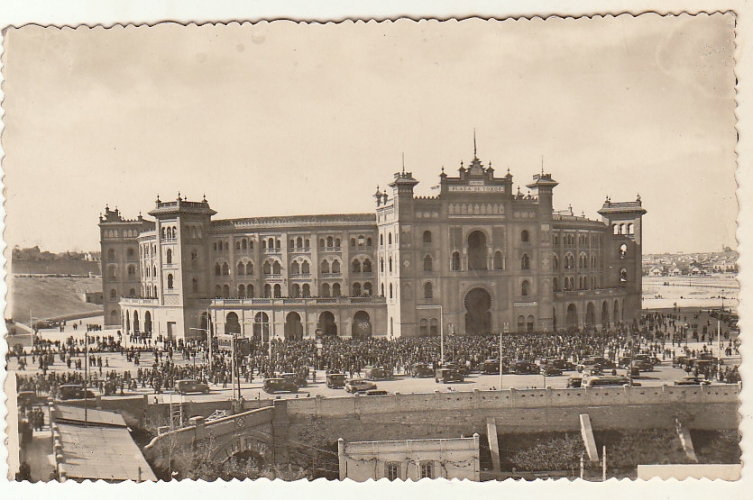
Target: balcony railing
(298, 301)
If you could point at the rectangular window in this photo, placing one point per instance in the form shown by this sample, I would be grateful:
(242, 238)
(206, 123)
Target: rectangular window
(427, 470)
(393, 471)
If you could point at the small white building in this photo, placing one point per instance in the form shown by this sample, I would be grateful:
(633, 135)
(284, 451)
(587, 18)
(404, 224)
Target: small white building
(410, 459)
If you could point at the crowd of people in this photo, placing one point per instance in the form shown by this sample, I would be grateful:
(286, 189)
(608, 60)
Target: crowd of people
(663, 335)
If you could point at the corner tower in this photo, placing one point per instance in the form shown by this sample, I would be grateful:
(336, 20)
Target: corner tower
(623, 252)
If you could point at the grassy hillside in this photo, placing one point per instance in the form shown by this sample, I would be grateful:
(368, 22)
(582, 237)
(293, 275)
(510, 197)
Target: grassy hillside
(72, 267)
(49, 297)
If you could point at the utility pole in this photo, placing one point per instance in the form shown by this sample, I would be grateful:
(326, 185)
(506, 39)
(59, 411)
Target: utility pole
(86, 378)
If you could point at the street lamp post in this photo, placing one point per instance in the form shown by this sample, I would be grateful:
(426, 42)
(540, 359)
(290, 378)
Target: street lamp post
(501, 363)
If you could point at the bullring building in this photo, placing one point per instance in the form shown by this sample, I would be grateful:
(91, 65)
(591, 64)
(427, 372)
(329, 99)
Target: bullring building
(479, 257)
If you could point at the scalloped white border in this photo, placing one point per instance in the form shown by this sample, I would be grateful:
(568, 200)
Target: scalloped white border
(77, 12)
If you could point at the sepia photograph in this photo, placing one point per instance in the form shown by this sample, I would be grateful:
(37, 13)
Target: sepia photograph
(479, 249)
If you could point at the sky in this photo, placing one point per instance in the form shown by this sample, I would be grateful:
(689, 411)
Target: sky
(287, 118)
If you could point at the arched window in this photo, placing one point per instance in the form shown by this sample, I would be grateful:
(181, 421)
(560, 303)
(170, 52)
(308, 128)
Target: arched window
(337, 242)
(623, 251)
(367, 289)
(241, 269)
(321, 242)
(336, 290)
(325, 267)
(381, 264)
(525, 262)
(434, 327)
(244, 244)
(427, 237)
(623, 274)
(352, 242)
(215, 246)
(455, 261)
(270, 244)
(325, 290)
(330, 242)
(154, 271)
(295, 268)
(218, 291)
(356, 266)
(356, 290)
(368, 242)
(390, 290)
(295, 291)
(524, 236)
(367, 266)
(521, 324)
(130, 252)
(381, 240)
(525, 288)
(381, 294)
(267, 291)
(263, 245)
(428, 263)
(169, 281)
(155, 291)
(423, 327)
(630, 229)
(556, 284)
(195, 285)
(276, 268)
(164, 233)
(389, 238)
(277, 244)
(299, 242)
(292, 243)
(498, 261)
(131, 270)
(305, 268)
(278, 291)
(113, 294)
(267, 267)
(237, 244)
(225, 269)
(555, 263)
(477, 251)
(241, 292)
(250, 291)
(428, 290)
(390, 264)
(306, 290)
(336, 266)
(111, 254)
(250, 268)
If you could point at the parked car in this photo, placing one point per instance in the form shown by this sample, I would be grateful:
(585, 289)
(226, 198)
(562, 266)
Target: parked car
(490, 367)
(298, 379)
(378, 373)
(73, 391)
(691, 380)
(359, 385)
(421, 370)
(463, 369)
(608, 381)
(574, 382)
(377, 393)
(681, 361)
(643, 365)
(550, 371)
(336, 380)
(277, 384)
(526, 368)
(563, 364)
(188, 385)
(447, 375)
(606, 364)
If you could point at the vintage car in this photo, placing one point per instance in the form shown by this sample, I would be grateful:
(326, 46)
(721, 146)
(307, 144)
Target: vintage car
(562, 364)
(550, 371)
(608, 381)
(526, 368)
(296, 378)
(421, 370)
(336, 380)
(73, 391)
(574, 382)
(691, 380)
(643, 365)
(378, 373)
(463, 369)
(359, 385)
(447, 375)
(186, 386)
(490, 367)
(273, 385)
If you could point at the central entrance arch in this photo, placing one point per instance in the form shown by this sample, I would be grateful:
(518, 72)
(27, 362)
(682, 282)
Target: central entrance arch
(478, 314)
(327, 323)
(571, 320)
(361, 325)
(293, 326)
(232, 326)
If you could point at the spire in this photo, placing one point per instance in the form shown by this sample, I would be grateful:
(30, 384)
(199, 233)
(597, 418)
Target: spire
(474, 142)
(403, 162)
(542, 164)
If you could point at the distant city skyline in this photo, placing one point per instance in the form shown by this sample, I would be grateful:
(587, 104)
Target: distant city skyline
(282, 119)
